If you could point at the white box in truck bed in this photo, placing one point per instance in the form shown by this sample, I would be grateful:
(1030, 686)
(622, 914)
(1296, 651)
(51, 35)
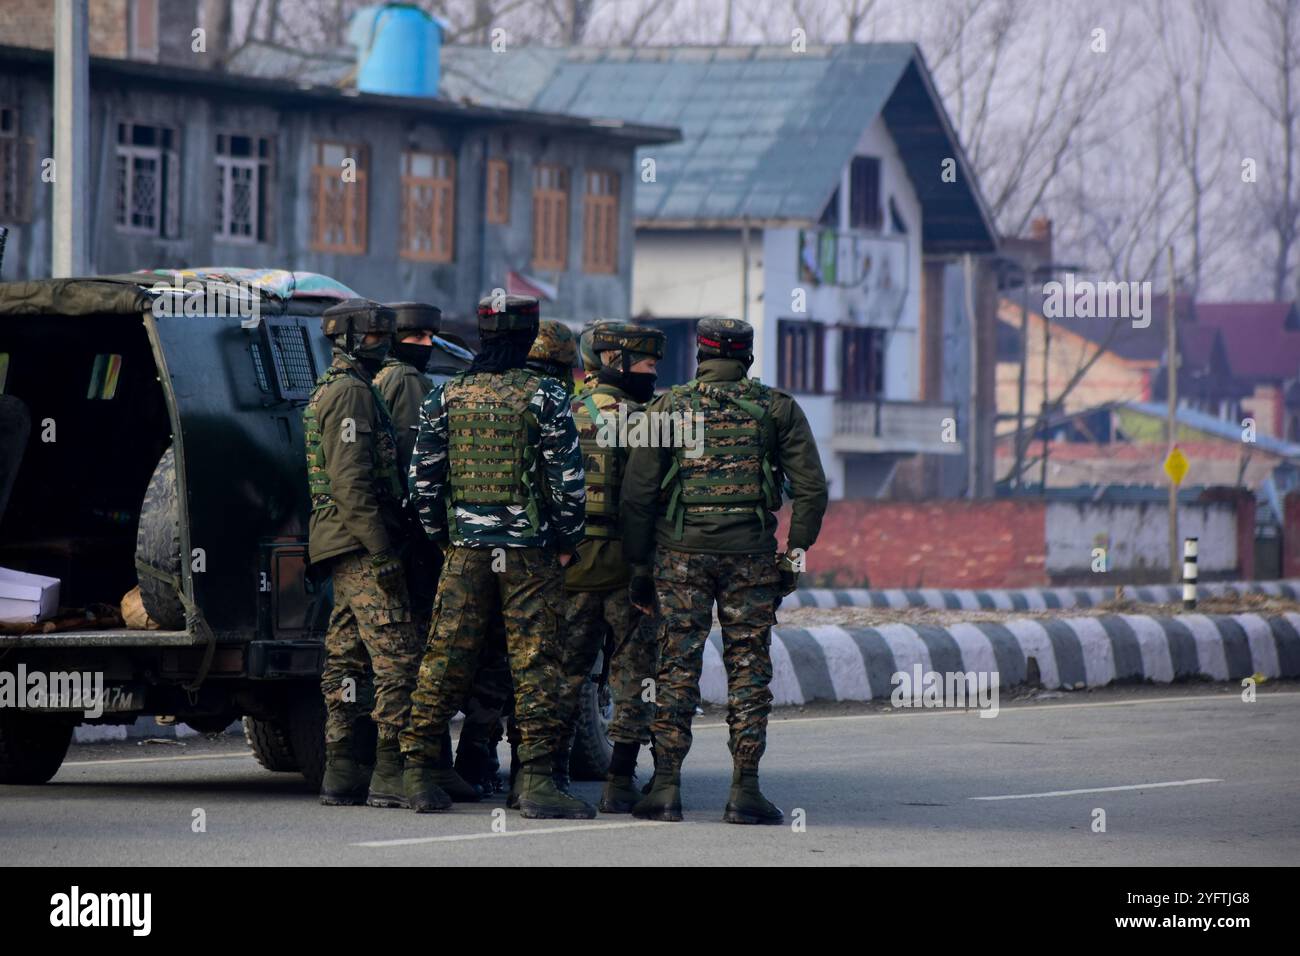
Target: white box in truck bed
(27, 598)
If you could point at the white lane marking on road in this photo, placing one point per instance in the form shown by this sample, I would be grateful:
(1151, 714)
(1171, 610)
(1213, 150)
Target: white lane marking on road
(1131, 786)
(100, 763)
(413, 841)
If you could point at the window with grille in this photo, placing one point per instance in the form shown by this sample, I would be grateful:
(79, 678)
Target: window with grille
(862, 363)
(243, 198)
(148, 191)
(551, 218)
(16, 155)
(600, 222)
(498, 191)
(799, 354)
(338, 190)
(291, 372)
(428, 206)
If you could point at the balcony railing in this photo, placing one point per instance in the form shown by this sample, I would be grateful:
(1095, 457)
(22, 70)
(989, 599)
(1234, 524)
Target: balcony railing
(897, 427)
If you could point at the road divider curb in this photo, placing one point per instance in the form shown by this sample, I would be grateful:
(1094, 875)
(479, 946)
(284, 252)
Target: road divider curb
(829, 662)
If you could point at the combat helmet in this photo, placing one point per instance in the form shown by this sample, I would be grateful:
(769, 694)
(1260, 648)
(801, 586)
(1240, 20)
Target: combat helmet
(634, 342)
(555, 344)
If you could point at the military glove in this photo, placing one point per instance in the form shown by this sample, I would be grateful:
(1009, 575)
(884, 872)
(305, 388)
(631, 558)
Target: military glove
(641, 591)
(388, 571)
(789, 576)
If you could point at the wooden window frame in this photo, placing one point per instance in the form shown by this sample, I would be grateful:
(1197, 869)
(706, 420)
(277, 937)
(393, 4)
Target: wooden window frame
(167, 192)
(497, 212)
(442, 188)
(801, 356)
(866, 211)
(862, 363)
(262, 166)
(353, 197)
(550, 218)
(17, 160)
(600, 222)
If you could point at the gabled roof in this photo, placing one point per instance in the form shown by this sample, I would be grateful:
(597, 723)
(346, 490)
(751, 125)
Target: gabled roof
(766, 131)
(1262, 338)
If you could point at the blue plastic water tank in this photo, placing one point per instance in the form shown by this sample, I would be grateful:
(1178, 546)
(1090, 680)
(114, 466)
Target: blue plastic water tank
(397, 49)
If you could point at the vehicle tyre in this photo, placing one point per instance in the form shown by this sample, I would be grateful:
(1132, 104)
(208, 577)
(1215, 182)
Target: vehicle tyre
(158, 544)
(589, 759)
(269, 741)
(32, 746)
(306, 723)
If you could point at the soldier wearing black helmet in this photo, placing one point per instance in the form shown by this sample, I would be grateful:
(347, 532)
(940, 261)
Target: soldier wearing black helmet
(357, 532)
(710, 519)
(620, 360)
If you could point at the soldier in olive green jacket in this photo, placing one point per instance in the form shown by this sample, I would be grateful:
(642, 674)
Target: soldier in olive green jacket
(709, 506)
(357, 532)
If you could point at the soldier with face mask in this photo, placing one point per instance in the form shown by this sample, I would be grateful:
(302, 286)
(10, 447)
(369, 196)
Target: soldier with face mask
(357, 533)
(497, 480)
(621, 359)
(709, 516)
(403, 383)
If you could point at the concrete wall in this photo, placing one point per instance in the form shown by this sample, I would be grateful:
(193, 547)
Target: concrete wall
(483, 253)
(1027, 542)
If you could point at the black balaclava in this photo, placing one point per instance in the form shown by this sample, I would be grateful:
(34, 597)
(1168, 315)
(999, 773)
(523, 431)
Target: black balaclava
(412, 353)
(502, 351)
(639, 385)
(369, 357)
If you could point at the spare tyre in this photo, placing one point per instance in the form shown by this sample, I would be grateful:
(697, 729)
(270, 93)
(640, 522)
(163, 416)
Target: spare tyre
(158, 546)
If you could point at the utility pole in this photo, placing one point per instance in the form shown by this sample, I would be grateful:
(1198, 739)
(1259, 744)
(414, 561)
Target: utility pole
(71, 138)
(1171, 391)
(1021, 443)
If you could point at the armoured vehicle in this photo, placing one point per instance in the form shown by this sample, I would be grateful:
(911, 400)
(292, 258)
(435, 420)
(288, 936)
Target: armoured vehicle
(151, 434)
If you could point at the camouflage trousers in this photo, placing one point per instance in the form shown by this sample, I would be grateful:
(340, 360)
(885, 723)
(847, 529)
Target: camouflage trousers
(369, 634)
(590, 614)
(527, 594)
(744, 587)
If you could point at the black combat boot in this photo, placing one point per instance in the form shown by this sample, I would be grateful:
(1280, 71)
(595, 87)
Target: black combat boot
(386, 787)
(446, 777)
(472, 758)
(746, 803)
(621, 794)
(664, 801)
(423, 795)
(540, 799)
(345, 780)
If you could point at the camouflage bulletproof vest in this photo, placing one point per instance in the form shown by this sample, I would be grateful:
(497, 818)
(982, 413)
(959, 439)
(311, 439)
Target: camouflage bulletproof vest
(602, 465)
(493, 438)
(384, 449)
(736, 470)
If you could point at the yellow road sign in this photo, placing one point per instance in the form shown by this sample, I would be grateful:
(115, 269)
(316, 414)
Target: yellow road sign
(1176, 465)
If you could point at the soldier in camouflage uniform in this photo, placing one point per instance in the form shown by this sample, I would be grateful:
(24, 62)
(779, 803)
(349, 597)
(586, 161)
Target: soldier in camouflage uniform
(496, 477)
(357, 532)
(622, 361)
(403, 383)
(711, 512)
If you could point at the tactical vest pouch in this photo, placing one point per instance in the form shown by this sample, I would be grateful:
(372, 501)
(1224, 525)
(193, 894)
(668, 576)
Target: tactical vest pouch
(603, 469)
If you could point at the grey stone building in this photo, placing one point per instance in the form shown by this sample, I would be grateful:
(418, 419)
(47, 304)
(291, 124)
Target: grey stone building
(398, 197)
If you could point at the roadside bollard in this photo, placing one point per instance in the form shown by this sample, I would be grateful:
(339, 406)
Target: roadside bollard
(1189, 574)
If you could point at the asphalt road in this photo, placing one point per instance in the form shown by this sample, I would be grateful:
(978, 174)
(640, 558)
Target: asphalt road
(873, 787)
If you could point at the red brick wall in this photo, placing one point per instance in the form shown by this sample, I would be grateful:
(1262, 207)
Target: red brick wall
(906, 544)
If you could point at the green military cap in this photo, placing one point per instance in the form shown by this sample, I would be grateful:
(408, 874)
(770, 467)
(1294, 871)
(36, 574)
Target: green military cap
(415, 316)
(517, 313)
(359, 316)
(728, 338)
(590, 360)
(555, 343)
(627, 337)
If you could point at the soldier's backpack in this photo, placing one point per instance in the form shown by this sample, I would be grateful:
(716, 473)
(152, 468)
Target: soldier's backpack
(737, 470)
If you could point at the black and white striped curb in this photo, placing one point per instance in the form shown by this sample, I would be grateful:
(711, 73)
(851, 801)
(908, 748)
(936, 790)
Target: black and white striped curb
(829, 662)
(1026, 599)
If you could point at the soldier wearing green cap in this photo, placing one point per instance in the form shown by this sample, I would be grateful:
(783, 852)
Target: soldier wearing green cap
(620, 360)
(496, 477)
(357, 532)
(710, 520)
